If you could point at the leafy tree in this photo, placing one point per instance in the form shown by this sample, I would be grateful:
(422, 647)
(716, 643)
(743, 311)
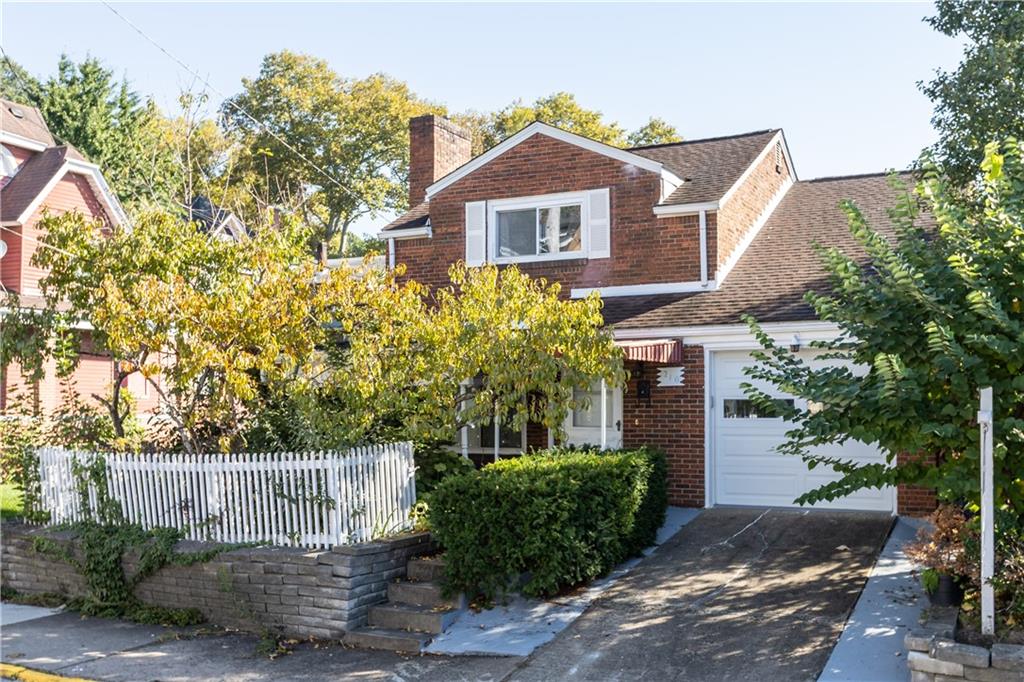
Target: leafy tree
(983, 99)
(932, 315)
(84, 106)
(562, 111)
(203, 320)
(341, 145)
(361, 245)
(406, 363)
(17, 84)
(655, 131)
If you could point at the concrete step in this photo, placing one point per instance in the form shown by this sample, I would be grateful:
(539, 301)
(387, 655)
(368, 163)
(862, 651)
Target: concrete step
(419, 594)
(389, 640)
(413, 618)
(425, 569)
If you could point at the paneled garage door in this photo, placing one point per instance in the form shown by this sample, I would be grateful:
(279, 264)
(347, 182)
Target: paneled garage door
(747, 471)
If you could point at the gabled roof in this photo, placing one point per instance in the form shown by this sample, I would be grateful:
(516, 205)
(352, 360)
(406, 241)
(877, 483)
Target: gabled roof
(779, 266)
(20, 197)
(708, 167)
(541, 128)
(216, 220)
(417, 216)
(24, 122)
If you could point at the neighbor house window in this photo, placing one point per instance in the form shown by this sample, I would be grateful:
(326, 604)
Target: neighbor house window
(550, 227)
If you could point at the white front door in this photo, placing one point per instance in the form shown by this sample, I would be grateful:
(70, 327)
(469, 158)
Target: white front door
(583, 426)
(746, 468)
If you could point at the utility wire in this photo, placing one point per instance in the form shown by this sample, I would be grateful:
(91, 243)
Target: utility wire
(228, 100)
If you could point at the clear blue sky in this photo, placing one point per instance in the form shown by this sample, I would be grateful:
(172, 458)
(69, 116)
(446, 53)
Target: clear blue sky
(840, 78)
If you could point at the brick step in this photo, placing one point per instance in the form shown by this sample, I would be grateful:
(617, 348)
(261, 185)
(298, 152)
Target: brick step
(412, 618)
(421, 594)
(387, 639)
(425, 569)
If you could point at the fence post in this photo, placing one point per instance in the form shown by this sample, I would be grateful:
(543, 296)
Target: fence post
(987, 514)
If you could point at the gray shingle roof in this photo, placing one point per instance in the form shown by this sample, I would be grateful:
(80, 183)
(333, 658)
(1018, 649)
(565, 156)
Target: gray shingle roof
(708, 167)
(779, 266)
(417, 216)
(24, 120)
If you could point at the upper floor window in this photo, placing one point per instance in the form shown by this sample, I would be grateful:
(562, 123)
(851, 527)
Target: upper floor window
(548, 227)
(8, 164)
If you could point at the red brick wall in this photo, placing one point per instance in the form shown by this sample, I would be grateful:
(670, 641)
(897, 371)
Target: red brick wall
(644, 249)
(673, 423)
(913, 500)
(747, 204)
(436, 147)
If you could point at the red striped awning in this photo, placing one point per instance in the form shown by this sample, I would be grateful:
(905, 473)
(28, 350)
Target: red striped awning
(664, 351)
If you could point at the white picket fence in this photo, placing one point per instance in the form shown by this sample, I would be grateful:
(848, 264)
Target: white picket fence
(317, 499)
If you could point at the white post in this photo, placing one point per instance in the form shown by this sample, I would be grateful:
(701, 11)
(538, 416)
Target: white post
(497, 433)
(604, 416)
(465, 426)
(988, 624)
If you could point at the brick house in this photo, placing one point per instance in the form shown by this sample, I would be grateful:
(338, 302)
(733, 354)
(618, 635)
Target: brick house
(41, 176)
(680, 240)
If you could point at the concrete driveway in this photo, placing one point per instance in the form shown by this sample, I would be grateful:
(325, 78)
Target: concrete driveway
(737, 594)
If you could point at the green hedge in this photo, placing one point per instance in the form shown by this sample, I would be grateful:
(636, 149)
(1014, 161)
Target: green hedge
(562, 517)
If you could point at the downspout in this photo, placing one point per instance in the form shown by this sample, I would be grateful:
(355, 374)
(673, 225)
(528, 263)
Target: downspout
(391, 253)
(703, 248)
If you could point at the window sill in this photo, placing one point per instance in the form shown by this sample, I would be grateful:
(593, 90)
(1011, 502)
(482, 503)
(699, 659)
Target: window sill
(558, 258)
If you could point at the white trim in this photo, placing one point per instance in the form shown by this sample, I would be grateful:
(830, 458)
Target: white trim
(769, 148)
(407, 233)
(116, 213)
(646, 289)
(391, 254)
(709, 433)
(7, 137)
(751, 233)
(704, 248)
(538, 127)
(735, 336)
(685, 209)
(538, 201)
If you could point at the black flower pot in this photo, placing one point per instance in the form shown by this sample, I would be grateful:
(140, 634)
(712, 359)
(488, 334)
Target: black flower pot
(947, 593)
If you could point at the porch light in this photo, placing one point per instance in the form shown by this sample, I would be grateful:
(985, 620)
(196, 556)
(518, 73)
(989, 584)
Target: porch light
(794, 344)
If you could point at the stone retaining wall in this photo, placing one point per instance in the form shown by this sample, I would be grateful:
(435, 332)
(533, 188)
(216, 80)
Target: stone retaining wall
(933, 655)
(291, 591)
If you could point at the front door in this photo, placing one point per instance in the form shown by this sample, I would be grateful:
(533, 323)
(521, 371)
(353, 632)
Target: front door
(583, 425)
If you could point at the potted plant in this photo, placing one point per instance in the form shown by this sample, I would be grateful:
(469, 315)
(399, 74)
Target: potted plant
(940, 550)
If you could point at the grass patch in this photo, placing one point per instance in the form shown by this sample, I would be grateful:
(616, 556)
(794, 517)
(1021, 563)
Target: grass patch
(10, 501)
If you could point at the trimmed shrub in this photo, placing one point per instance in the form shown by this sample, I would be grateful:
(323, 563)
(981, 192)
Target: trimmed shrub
(560, 517)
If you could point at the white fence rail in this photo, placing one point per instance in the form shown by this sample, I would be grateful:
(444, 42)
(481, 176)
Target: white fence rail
(318, 499)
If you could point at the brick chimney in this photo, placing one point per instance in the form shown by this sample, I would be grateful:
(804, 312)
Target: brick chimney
(436, 147)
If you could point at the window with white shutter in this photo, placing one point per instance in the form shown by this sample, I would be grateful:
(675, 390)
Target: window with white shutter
(476, 232)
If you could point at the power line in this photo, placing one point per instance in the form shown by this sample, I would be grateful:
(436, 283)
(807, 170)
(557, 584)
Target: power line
(231, 103)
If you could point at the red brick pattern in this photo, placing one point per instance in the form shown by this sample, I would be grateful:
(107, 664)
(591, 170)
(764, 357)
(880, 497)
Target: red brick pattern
(673, 423)
(747, 204)
(912, 500)
(436, 147)
(644, 249)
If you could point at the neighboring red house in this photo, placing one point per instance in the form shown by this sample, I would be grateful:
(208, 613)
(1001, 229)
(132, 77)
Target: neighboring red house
(680, 240)
(40, 175)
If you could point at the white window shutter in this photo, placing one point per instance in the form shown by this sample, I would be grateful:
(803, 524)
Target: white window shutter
(476, 232)
(600, 223)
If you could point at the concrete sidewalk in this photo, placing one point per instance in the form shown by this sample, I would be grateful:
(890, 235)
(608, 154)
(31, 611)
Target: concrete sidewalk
(871, 647)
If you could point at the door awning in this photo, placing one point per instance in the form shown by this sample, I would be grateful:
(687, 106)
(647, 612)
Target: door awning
(663, 351)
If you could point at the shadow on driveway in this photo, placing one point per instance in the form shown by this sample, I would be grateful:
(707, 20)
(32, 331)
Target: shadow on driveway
(738, 594)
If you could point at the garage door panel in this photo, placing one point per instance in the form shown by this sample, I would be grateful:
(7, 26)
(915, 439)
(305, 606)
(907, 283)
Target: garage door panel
(739, 483)
(748, 470)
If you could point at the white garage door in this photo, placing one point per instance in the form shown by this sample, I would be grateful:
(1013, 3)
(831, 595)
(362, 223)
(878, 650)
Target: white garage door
(746, 469)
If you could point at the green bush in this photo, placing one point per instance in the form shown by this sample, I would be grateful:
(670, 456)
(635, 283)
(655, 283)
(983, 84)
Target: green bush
(561, 517)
